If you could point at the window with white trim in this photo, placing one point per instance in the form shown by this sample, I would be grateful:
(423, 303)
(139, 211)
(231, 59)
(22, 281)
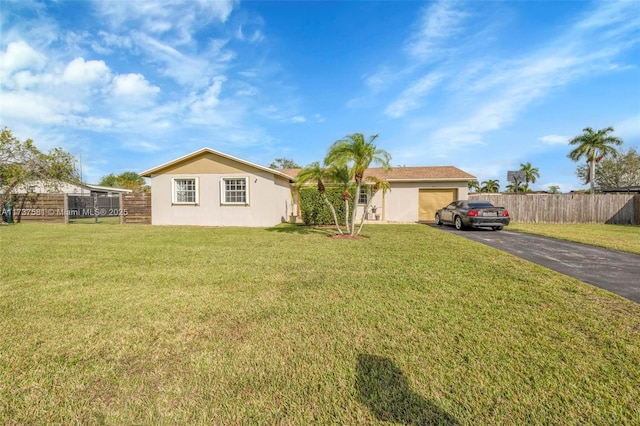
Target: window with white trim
(363, 196)
(185, 191)
(234, 190)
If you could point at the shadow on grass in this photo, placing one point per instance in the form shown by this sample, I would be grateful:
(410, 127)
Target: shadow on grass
(294, 228)
(381, 386)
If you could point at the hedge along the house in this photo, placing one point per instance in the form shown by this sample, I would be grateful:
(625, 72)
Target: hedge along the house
(316, 212)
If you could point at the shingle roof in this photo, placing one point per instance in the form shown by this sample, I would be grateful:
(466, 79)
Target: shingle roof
(408, 173)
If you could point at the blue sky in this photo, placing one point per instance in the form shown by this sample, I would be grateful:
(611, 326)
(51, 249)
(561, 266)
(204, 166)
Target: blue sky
(481, 85)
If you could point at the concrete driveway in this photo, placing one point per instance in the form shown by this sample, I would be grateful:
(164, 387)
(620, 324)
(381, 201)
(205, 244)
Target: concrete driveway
(611, 270)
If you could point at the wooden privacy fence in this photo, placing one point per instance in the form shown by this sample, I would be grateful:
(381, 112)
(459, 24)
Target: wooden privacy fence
(619, 209)
(54, 208)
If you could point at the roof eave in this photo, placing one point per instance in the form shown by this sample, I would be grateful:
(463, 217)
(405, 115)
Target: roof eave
(461, 179)
(148, 173)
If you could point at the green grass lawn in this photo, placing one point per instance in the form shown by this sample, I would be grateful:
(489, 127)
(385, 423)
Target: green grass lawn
(617, 237)
(186, 325)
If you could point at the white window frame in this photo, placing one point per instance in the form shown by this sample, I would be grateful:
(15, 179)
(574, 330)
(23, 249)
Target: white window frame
(364, 191)
(174, 191)
(223, 191)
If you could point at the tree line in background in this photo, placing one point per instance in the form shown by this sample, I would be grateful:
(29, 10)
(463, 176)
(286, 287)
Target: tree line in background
(606, 166)
(125, 180)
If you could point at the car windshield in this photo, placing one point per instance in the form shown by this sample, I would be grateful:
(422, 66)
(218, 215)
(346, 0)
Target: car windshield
(479, 205)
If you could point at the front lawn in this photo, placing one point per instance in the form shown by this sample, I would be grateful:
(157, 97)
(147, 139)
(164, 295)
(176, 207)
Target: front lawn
(617, 237)
(185, 325)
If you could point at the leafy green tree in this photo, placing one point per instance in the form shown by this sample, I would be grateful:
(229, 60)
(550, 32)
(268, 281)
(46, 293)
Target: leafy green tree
(491, 185)
(283, 163)
(554, 189)
(22, 163)
(357, 154)
(531, 174)
(126, 180)
(314, 173)
(620, 171)
(594, 146)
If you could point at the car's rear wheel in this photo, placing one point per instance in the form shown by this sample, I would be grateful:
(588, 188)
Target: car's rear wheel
(457, 222)
(497, 228)
(438, 221)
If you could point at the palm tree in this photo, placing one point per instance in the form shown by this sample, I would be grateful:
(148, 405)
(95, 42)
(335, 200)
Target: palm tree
(341, 176)
(515, 187)
(554, 189)
(356, 153)
(473, 184)
(530, 173)
(491, 185)
(313, 172)
(594, 146)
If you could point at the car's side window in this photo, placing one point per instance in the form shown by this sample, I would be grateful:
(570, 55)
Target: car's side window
(451, 206)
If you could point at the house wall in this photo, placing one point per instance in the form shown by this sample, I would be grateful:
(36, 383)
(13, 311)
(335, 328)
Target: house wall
(401, 202)
(269, 196)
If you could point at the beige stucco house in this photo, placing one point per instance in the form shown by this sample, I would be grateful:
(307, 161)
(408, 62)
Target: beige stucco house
(416, 192)
(210, 188)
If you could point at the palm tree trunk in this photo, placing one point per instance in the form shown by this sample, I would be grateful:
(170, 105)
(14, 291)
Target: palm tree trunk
(333, 211)
(355, 209)
(346, 214)
(366, 209)
(592, 174)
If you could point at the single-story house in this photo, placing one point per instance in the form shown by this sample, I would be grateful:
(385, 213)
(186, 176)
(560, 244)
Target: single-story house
(208, 187)
(415, 192)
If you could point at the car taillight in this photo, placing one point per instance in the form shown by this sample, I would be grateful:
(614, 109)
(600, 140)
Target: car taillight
(505, 213)
(472, 213)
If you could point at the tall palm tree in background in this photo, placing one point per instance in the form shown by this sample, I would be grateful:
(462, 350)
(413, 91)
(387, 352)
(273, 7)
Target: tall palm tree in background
(491, 185)
(473, 184)
(530, 173)
(314, 173)
(358, 154)
(594, 146)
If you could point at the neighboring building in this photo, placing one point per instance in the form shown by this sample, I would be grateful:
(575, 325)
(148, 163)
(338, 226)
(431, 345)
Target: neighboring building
(211, 188)
(71, 189)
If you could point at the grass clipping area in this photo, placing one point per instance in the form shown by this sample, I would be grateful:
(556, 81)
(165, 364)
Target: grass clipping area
(185, 325)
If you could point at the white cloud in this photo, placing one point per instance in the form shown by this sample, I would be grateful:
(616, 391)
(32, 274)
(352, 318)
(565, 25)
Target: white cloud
(19, 56)
(133, 86)
(210, 98)
(411, 97)
(298, 119)
(96, 123)
(85, 73)
(438, 24)
(38, 108)
(157, 17)
(554, 139)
